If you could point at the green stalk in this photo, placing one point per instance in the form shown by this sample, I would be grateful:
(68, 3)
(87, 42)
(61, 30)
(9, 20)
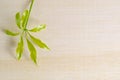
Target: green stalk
(29, 13)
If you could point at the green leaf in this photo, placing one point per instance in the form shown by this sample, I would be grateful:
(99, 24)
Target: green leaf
(18, 20)
(24, 18)
(20, 48)
(38, 28)
(11, 33)
(39, 42)
(32, 50)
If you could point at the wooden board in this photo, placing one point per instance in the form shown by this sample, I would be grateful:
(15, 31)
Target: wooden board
(84, 37)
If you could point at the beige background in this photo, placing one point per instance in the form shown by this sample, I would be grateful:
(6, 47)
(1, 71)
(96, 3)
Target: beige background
(84, 37)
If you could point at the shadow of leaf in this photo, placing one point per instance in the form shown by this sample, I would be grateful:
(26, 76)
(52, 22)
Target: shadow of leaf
(8, 22)
(11, 43)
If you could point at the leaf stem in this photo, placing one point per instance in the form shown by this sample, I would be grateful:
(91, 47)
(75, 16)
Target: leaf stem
(31, 5)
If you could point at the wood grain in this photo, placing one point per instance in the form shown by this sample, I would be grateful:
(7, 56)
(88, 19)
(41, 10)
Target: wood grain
(84, 37)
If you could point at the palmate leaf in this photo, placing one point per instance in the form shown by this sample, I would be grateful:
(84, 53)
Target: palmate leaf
(24, 18)
(33, 53)
(38, 28)
(21, 22)
(39, 42)
(8, 32)
(20, 48)
(18, 20)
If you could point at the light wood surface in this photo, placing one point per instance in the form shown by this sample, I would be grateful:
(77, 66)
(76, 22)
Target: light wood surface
(84, 37)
